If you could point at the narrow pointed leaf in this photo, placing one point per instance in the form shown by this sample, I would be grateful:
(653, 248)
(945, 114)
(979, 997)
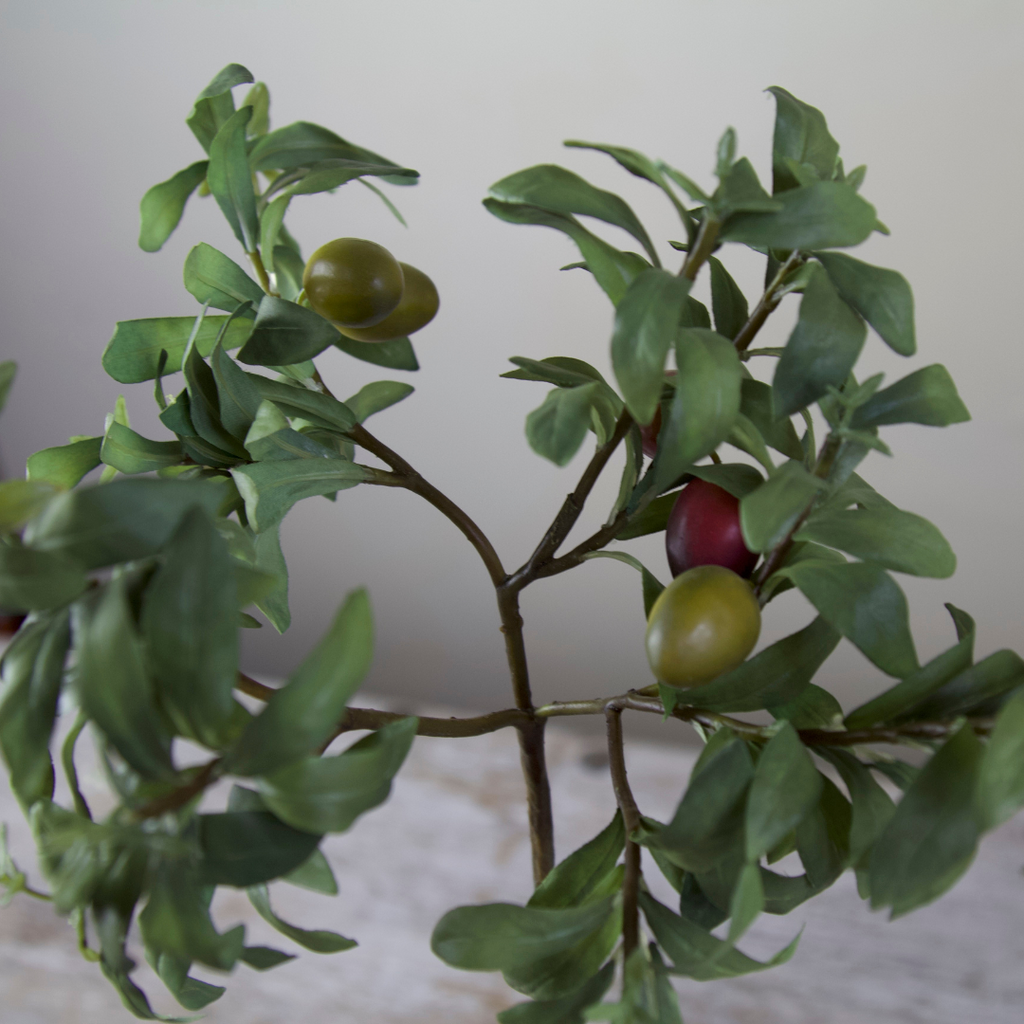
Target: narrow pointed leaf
(65, 465)
(318, 941)
(230, 179)
(162, 206)
(216, 279)
(926, 396)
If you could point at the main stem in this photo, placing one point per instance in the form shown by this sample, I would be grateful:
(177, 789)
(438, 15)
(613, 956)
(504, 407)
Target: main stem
(631, 821)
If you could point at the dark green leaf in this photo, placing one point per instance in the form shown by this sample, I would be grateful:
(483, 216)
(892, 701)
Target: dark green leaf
(131, 453)
(882, 297)
(738, 478)
(812, 708)
(728, 303)
(314, 406)
(768, 513)
(898, 540)
(785, 786)
(560, 370)
(65, 465)
(823, 837)
(652, 519)
(612, 269)
(855, 491)
(216, 279)
(560, 191)
(269, 559)
(396, 354)
(704, 407)
(694, 314)
(872, 806)
(557, 428)
(652, 588)
(263, 958)
(573, 882)
(375, 397)
(214, 104)
(780, 434)
(327, 794)
(22, 500)
(976, 690)
(1000, 791)
(33, 669)
(568, 1009)
(821, 351)
(317, 941)
(925, 396)
(244, 848)
(271, 488)
(314, 874)
(286, 333)
(302, 715)
(866, 605)
(190, 992)
(825, 215)
(238, 397)
(645, 328)
(772, 677)
(162, 206)
(34, 580)
(931, 839)
(697, 954)
(188, 625)
(802, 135)
(204, 404)
(271, 439)
(133, 353)
(113, 687)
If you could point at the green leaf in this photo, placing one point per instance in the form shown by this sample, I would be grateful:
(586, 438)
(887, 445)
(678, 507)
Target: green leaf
(204, 404)
(244, 848)
(855, 491)
(823, 836)
(866, 605)
(802, 135)
(872, 807)
(8, 370)
(931, 839)
(558, 427)
(738, 478)
(217, 280)
(286, 333)
(65, 465)
(780, 434)
(812, 708)
(523, 941)
(302, 144)
(302, 715)
(880, 296)
(271, 223)
(652, 587)
(33, 670)
(709, 819)
(270, 489)
(645, 328)
(704, 407)
(774, 676)
(133, 353)
(564, 371)
(238, 397)
(561, 191)
(825, 215)
(897, 540)
(230, 179)
(316, 941)
(263, 958)
(190, 992)
(271, 439)
(925, 396)
(258, 97)
(188, 627)
(176, 920)
(31, 580)
(300, 401)
(568, 1009)
(1000, 792)
(821, 351)
(728, 303)
(269, 559)
(162, 206)
(131, 453)
(327, 794)
(976, 690)
(113, 687)
(768, 513)
(696, 953)
(612, 269)
(745, 436)
(314, 874)
(214, 104)
(785, 787)
(652, 519)
(574, 881)
(396, 354)
(647, 995)
(22, 500)
(375, 397)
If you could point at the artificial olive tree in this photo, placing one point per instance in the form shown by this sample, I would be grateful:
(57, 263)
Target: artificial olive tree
(136, 584)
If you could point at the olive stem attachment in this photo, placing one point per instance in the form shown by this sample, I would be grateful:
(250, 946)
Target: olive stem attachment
(631, 820)
(261, 272)
(703, 247)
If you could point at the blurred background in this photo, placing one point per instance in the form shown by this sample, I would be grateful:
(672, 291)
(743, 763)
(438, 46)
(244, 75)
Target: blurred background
(928, 94)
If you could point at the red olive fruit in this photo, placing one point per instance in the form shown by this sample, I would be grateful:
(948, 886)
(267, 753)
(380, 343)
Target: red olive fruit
(353, 282)
(704, 529)
(704, 623)
(417, 307)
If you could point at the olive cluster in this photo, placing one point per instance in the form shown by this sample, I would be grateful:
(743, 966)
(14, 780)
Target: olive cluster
(366, 293)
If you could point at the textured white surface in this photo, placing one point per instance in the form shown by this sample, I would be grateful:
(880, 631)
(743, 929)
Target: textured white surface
(454, 832)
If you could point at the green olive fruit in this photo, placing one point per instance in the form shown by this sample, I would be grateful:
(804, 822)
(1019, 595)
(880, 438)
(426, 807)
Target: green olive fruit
(416, 309)
(704, 623)
(353, 282)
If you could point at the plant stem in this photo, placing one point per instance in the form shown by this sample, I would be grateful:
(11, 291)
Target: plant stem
(450, 728)
(261, 271)
(183, 794)
(766, 304)
(631, 821)
(707, 236)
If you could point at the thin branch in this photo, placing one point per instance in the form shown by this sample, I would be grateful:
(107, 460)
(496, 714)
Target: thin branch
(248, 685)
(707, 237)
(181, 796)
(631, 821)
(766, 304)
(450, 728)
(261, 271)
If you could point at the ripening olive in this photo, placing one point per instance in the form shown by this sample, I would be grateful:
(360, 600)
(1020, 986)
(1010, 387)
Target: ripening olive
(353, 282)
(416, 309)
(704, 529)
(704, 623)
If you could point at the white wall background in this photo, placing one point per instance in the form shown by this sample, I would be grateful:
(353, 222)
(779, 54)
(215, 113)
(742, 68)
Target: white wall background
(928, 94)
